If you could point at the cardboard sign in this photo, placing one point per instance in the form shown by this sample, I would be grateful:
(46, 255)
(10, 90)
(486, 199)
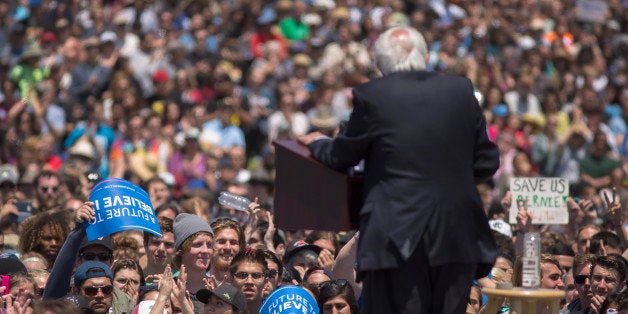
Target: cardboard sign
(546, 199)
(120, 205)
(288, 300)
(593, 11)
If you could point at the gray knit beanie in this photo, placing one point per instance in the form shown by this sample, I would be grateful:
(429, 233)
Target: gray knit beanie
(186, 225)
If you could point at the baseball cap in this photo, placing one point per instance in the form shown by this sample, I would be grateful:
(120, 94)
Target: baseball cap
(225, 292)
(161, 76)
(104, 241)
(9, 264)
(8, 173)
(297, 246)
(108, 36)
(501, 227)
(91, 269)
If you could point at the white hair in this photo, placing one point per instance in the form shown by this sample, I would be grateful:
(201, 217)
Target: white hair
(400, 48)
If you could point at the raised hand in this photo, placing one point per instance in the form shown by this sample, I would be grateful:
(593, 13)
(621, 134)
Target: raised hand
(326, 259)
(614, 208)
(85, 213)
(180, 292)
(130, 289)
(14, 306)
(270, 232)
(211, 283)
(524, 221)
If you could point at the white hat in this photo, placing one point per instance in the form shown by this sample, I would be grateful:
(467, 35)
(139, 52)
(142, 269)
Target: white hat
(500, 226)
(108, 36)
(8, 173)
(83, 149)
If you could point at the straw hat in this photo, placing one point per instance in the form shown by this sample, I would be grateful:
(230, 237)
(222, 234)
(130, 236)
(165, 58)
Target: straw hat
(323, 119)
(301, 59)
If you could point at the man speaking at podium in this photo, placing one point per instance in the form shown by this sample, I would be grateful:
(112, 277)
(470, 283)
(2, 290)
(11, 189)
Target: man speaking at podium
(423, 234)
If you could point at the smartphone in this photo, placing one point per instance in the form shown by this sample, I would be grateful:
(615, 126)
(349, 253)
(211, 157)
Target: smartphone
(24, 207)
(25, 210)
(6, 282)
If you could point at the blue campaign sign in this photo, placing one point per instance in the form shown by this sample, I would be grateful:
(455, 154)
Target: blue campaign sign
(289, 300)
(120, 205)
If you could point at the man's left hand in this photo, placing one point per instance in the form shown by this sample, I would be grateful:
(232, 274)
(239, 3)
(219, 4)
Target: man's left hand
(309, 138)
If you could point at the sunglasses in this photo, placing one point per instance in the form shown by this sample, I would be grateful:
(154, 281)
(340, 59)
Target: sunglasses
(338, 282)
(243, 275)
(51, 188)
(580, 279)
(271, 273)
(103, 257)
(92, 291)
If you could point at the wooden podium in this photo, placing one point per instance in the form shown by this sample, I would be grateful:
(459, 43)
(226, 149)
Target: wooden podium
(308, 195)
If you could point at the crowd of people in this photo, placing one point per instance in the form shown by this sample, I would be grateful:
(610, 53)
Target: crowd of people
(184, 98)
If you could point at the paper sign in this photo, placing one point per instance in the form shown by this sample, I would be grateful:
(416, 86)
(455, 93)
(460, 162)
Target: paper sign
(546, 199)
(288, 300)
(120, 205)
(593, 11)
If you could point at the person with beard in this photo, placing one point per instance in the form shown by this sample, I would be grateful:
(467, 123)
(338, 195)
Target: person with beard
(159, 251)
(228, 241)
(47, 191)
(193, 242)
(249, 271)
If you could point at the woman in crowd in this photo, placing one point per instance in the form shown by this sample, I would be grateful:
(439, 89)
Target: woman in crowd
(128, 276)
(336, 296)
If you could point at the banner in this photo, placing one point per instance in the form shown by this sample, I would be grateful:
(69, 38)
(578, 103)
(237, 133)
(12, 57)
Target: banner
(288, 300)
(546, 199)
(120, 205)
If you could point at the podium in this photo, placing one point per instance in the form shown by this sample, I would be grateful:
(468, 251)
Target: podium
(536, 301)
(309, 195)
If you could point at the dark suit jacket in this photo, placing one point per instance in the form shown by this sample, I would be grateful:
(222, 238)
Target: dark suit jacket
(424, 141)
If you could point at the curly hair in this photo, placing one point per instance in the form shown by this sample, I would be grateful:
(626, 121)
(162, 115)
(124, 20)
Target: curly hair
(125, 247)
(59, 223)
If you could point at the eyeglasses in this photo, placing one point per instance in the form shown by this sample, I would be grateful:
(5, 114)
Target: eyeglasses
(243, 275)
(124, 281)
(337, 282)
(580, 279)
(103, 257)
(45, 189)
(271, 273)
(7, 185)
(92, 291)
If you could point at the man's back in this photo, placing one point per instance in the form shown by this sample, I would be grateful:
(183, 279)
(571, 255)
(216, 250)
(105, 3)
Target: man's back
(423, 139)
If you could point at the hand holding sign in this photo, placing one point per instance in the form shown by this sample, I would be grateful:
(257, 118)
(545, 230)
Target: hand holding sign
(85, 213)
